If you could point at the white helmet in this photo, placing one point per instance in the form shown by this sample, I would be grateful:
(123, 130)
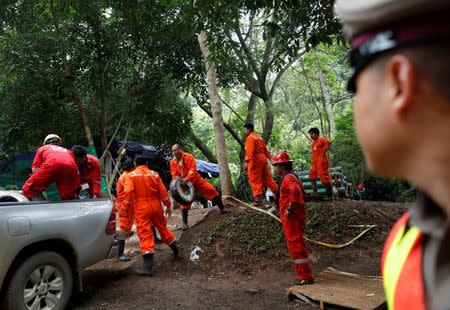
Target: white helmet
(52, 138)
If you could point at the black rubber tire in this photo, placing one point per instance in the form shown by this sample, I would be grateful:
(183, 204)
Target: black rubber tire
(182, 196)
(15, 291)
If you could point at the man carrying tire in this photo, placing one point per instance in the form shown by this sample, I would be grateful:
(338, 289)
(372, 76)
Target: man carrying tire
(183, 165)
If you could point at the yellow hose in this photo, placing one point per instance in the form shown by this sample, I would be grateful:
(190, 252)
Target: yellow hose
(325, 244)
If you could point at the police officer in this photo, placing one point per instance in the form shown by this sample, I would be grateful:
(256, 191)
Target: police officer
(401, 73)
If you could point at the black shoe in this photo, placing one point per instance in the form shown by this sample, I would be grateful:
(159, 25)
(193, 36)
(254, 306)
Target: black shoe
(147, 268)
(225, 211)
(176, 252)
(303, 282)
(329, 191)
(121, 255)
(217, 201)
(123, 258)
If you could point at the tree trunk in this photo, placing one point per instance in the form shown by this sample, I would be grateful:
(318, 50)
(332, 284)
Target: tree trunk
(84, 118)
(250, 119)
(71, 83)
(222, 154)
(327, 103)
(268, 124)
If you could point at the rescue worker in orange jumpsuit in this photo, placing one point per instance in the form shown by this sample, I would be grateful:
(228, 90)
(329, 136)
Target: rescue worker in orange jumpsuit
(291, 204)
(126, 214)
(400, 75)
(256, 164)
(90, 171)
(320, 162)
(53, 163)
(183, 165)
(145, 190)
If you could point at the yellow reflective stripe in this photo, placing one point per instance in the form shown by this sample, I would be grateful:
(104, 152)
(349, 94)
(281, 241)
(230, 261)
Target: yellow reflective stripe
(143, 175)
(396, 257)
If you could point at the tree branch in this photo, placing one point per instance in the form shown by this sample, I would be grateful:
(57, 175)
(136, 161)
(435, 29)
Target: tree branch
(281, 72)
(203, 148)
(246, 50)
(226, 125)
(232, 110)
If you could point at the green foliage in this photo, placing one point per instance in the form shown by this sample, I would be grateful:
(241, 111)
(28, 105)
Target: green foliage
(243, 190)
(348, 154)
(118, 59)
(346, 149)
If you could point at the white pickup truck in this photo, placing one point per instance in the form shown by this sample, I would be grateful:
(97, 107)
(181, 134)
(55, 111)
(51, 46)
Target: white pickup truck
(45, 245)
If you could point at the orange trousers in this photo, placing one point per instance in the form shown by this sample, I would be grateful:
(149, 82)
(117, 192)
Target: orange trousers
(259, 177)
(294, 230)
(204, 187)
(148, 213)
(319, 169)
(126, 221)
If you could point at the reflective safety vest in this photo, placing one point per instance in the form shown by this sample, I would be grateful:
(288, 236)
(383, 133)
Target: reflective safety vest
(402, 267)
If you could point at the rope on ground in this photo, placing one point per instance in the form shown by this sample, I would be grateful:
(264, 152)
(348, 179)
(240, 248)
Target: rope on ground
(325, 244)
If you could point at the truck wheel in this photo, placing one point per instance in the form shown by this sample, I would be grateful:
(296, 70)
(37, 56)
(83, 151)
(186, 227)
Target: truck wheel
(42, 281)
(184, 195)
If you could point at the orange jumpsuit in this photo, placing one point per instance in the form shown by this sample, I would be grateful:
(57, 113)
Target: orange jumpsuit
(320, 162)
(53, 164)
(292, 193)
(91, 173)
(126, 220)
(186, 168)
(256, 155)
(145, 188)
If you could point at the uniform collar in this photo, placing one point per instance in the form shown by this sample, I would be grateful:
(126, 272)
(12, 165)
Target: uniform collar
(428, 216)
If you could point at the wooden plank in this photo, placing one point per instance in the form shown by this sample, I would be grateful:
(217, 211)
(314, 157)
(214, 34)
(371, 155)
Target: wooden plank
(342, 289)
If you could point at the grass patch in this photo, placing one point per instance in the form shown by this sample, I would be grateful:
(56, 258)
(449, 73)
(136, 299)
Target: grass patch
(259, 234)
(252, 231)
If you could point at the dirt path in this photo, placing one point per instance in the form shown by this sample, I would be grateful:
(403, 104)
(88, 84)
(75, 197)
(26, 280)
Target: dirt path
(220, 283)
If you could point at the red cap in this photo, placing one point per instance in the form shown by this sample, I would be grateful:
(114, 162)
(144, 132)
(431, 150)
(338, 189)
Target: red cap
(281, 157)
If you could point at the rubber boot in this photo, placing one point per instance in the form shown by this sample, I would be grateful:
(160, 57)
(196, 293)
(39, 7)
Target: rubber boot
(329, 191)
(259, 201)
(218, 202)
(155, 236)
(184, 215)
(147, 268)
(314, 188)
(174, 247)
(121, 255)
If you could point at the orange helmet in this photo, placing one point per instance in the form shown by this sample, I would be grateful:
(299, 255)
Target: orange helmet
(281, 157)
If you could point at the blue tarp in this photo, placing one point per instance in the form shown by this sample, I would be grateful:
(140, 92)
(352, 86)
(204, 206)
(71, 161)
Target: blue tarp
(157, 157)
(207, 170)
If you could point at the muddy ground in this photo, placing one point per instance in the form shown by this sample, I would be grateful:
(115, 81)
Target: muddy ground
(228, 276)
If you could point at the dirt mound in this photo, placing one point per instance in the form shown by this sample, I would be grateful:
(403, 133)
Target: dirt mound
(248, 241)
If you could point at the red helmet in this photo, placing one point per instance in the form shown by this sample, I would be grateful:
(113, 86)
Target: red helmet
(281, 157)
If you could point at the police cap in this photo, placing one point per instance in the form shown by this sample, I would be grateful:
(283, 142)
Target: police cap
(374, 27)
